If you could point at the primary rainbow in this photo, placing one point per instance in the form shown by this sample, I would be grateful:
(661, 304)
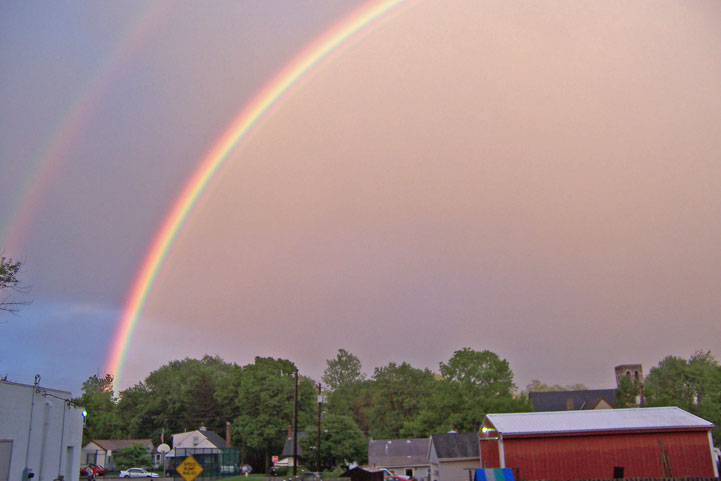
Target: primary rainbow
(223, 149)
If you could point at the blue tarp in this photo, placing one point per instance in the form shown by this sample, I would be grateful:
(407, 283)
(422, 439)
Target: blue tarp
(494, 474)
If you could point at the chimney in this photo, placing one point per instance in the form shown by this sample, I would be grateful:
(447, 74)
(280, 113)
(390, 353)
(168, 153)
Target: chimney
(227, 434)
(290, 432)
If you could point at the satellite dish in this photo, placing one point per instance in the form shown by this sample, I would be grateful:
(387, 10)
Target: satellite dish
(163, 448)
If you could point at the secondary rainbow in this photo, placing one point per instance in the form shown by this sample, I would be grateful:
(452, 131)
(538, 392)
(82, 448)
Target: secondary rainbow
(223, 149)
(71, 126)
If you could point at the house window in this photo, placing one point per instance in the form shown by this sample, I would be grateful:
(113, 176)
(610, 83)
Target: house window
(91, 457)
(409, 472)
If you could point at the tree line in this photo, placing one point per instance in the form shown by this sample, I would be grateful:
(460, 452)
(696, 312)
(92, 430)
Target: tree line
(396, 401)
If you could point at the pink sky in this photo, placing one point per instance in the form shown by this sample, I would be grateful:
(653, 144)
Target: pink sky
(537, 179)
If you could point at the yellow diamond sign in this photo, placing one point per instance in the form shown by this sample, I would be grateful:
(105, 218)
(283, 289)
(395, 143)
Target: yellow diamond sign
(189, 469)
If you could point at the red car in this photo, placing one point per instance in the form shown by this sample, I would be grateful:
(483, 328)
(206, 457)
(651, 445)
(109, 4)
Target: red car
(387, 475)
(397, 477)
(97, 470)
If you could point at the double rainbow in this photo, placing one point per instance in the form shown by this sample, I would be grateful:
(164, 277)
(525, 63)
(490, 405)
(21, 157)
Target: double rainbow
(224, 149)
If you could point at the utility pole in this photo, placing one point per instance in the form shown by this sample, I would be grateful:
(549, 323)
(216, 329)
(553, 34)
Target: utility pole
(295, 426)
(317, 444)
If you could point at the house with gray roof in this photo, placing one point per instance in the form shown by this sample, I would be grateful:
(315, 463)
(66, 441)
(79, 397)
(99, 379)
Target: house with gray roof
(453, 456)
(405, 457)
(198, 439)
(573, 400)
(101, 451)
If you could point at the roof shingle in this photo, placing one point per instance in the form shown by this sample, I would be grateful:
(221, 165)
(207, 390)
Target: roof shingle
(398, 452)
(455, 445)
(565, 400)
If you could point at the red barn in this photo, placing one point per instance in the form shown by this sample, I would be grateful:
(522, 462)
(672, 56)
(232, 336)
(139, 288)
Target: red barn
(606, 443)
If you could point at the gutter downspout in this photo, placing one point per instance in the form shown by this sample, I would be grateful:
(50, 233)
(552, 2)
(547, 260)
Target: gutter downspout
(30, 427)
(501, 453)
(43, 442)
(62, 438)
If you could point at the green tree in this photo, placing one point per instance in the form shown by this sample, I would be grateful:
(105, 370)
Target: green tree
(473, 384)
(98, 400)
(354, 399)
(341, 442)
(265, 405)
(132, 410)
(481, 382)
(694, 385)
(397, 393)
(181, 396)
(9, 280)
(345, 368)
(538, 386)
(627, 392)
(132, 456)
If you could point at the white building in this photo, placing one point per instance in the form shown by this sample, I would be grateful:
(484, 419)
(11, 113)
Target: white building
(39, 430)
(100, 452)
(405, 457)
(454, 456)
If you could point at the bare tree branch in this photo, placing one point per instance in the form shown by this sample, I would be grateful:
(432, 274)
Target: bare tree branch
(9, 280)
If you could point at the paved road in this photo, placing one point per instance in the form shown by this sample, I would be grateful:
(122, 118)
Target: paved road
(114, 478)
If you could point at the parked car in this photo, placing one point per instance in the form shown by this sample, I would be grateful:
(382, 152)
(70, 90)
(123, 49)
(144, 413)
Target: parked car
(97, 470)
(388, 474)
(393, 478)
(137, 473)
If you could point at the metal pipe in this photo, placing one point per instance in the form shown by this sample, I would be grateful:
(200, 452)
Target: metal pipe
(43, 442)
(62, 438)
(30, 425)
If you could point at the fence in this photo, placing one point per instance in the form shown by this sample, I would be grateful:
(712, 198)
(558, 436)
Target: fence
(216, 462)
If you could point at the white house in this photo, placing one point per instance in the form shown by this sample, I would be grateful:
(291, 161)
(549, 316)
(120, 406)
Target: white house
(198, 439)
(100, 451)
(407, 457)
(39, 430)
(453, 456)
(209, 449)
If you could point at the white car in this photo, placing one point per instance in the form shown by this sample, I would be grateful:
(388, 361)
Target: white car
(137, 473)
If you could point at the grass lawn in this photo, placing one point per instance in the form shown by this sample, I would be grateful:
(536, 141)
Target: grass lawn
(250, 477)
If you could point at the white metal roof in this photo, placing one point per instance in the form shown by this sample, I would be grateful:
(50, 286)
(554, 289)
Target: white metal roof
(596, 420)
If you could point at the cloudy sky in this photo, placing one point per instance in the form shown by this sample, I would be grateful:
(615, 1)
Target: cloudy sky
(541, 179)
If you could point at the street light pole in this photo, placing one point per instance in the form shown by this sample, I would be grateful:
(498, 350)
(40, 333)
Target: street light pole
(295, 426)
(317, 444)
